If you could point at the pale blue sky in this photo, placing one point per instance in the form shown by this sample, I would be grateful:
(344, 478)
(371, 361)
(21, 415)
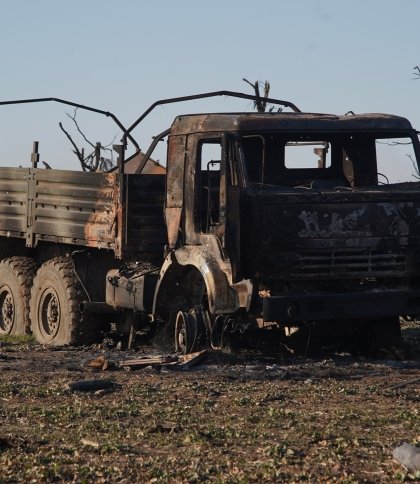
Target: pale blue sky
(324, 55)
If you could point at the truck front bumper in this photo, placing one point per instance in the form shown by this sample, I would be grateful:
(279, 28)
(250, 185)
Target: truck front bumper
(300, 307)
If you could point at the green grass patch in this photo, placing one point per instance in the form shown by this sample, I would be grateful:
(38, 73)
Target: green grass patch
(11, 339)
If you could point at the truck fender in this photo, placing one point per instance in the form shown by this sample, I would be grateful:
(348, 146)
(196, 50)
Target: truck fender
(188, 274)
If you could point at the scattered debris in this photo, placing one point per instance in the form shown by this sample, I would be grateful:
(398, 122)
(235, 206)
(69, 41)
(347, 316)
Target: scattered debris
(145, 361)
(186, 361)
(404, 384)
(168, 428)
(100, 363)
(182, 362)
(5, 443)
(89, 385)
(408, 455)
(272, 398)
(89, 443)
(3, 356)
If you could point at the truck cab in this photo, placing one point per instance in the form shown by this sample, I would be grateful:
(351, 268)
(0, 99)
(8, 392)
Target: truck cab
(280, 219)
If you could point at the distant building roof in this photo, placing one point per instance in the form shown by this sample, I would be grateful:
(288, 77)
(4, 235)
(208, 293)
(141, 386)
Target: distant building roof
(151, 168)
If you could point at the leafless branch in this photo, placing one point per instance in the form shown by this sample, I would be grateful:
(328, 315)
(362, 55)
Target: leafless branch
(93, 161)
(416, 173)
(394, 143)
(106, 147)
(76, 150)
(73, 118)
(248, 82)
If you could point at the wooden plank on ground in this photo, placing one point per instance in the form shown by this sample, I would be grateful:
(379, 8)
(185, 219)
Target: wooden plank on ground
(148, 361)
(186, 361)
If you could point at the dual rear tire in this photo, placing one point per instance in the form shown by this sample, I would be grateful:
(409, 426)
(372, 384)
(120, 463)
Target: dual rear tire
(46, 302)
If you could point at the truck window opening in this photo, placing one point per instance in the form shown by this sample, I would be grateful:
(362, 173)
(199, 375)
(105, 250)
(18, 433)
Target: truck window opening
(339, 160)
(210, 153)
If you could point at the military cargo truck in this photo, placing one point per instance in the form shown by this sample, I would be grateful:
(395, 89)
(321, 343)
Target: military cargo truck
(263, 221)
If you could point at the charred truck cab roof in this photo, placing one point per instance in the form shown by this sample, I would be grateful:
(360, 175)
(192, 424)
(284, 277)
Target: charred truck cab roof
(256, 122)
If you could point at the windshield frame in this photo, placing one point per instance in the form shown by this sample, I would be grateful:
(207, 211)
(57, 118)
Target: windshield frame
(316, 136)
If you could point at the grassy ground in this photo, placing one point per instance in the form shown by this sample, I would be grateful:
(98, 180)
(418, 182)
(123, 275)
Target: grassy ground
(236, 418)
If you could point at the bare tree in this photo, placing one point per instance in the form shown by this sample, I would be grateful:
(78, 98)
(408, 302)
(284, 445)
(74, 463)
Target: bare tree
(416, 173)
(93, 161)
(259, 104)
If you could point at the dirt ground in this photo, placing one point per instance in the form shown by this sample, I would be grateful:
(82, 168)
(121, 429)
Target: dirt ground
(240, 417)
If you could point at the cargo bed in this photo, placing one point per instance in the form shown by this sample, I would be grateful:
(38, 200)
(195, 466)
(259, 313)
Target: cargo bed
(83, 208)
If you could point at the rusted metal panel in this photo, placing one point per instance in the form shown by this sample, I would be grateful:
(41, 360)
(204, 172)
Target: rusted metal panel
(173, 221)
(75, 207)
(143, 216)
(13, 201)
(175, 187)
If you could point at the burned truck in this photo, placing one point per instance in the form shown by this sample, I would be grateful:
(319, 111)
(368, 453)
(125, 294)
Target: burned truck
(272, 222)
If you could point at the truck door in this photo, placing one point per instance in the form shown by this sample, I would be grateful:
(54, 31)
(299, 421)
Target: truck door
(219, 195)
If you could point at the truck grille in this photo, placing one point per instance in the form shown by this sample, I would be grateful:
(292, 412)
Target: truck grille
(345, 262)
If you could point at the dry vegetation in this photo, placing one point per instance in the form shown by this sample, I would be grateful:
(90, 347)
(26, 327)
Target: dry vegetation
(235, 418)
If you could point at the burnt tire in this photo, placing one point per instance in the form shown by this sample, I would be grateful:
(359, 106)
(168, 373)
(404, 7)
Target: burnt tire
(185, 333)
(190, 330)
(16, 276)
(55, 314)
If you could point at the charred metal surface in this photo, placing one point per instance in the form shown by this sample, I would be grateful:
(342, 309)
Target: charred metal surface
(80, 208)
(131, 290)
(175, 187)
(91, 267)
(323, 236)
(143, 217)
(312, 307)
(75, 208)
(288, 122)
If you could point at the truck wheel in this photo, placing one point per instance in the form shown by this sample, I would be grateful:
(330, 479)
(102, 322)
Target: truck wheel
(55, 304)
(16, 275)
(190, 328)
(185, 333)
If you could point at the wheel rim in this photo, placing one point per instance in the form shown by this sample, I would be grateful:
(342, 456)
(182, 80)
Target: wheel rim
(181, 333)
(185, 333)
(7, 310)
(49, 314)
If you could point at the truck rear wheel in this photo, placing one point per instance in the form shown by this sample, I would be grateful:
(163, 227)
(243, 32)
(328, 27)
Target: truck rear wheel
(55, 304)
(16, 275)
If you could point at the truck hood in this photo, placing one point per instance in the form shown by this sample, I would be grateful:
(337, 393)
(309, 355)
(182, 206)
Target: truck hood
(377, 229)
